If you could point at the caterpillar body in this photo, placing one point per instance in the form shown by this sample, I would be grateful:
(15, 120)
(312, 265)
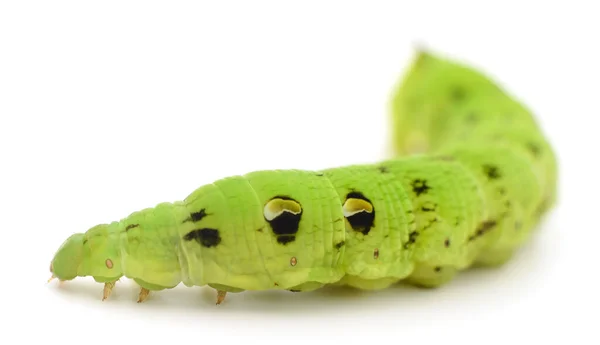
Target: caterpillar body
(471, 180)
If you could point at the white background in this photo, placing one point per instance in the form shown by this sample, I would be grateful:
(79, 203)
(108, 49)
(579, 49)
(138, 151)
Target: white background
(113, 106)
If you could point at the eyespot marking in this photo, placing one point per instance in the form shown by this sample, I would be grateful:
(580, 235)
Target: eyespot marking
(283, 215)
(359, 212)
(206, 237)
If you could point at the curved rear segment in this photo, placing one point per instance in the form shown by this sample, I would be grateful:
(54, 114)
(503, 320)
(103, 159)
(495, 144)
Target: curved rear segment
(447, 109)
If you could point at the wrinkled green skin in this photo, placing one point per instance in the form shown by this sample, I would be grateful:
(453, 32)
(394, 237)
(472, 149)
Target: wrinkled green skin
(449, 123)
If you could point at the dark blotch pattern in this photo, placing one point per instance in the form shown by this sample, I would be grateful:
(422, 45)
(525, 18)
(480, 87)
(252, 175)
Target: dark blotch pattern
(491, 171)
(412, 238)
(361, 221)
(340, 245)
(131, 226)
(206, 237)
(437, 268)
(420, 187)
(196, 216)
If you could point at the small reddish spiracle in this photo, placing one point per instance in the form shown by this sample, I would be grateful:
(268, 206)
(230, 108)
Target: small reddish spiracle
(109, 263)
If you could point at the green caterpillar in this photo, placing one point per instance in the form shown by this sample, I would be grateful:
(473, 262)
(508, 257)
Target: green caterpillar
(471, 180)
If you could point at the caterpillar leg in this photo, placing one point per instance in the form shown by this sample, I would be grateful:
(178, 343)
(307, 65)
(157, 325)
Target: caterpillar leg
(108, 286)
(222, 291)
(221, 296)
(143, 295)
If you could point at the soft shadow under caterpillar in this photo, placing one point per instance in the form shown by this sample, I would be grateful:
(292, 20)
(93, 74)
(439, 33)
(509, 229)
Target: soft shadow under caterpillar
(472, 178)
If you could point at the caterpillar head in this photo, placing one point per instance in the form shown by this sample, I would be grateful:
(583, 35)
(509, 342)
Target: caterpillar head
(94, 253)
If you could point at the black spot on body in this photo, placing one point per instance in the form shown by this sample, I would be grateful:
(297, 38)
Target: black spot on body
(491, 171)
(412, 238)
(206, 237)
(447, 243)
(383, 169)
(339, 245)
(197, 216)
(361, 221)
(420, 187)
(437, 268)
(131, 226)
(293, 290)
